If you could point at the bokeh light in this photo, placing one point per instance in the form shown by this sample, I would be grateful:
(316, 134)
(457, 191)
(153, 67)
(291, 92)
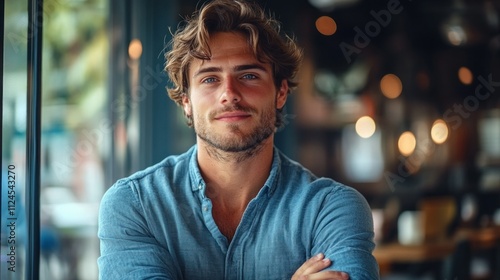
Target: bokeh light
(465, 75)
(439, 132)
(135, 49)
(407, 143)
(365, 127)
(326, 25)
(391, 86)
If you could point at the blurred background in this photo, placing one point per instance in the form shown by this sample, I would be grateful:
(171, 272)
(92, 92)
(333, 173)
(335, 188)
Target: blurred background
(399, 99)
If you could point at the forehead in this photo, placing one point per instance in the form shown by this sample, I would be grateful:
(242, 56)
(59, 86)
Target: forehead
(224, 43)
(227, 48)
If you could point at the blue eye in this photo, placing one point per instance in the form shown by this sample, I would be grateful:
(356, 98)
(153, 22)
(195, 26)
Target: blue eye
(249, 76)
(209, 80)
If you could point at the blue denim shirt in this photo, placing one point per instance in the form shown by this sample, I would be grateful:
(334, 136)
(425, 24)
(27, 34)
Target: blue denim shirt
(158, 224)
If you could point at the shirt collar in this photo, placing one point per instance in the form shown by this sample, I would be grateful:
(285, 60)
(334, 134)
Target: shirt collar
(199, 184)
(272, 181)
(194, 170)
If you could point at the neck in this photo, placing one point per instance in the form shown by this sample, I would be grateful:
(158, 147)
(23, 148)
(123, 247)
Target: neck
(234, 178)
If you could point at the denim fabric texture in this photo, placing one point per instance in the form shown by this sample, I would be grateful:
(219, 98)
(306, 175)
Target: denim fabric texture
(158, 224)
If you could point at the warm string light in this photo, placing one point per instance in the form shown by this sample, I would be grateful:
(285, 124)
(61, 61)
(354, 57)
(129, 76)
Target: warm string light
(326, 25)
(391, 86)
(439, 131)
(365, 127)
(135, 49)
(407, 143)
(465, 75)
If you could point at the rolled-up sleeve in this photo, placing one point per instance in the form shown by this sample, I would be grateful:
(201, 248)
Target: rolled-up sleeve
(344, 233)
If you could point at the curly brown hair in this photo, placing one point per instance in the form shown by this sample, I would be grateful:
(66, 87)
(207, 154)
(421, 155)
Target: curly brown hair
(263, 32)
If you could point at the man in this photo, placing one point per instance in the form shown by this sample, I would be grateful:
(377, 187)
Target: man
(233, 206)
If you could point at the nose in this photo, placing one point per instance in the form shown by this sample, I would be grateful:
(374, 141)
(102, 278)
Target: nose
(230, 93)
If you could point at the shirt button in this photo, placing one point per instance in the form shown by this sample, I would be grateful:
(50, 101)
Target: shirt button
(200, 187)
(205, 209)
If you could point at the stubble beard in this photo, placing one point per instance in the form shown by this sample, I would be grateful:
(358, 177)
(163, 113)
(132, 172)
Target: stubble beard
(236, 145)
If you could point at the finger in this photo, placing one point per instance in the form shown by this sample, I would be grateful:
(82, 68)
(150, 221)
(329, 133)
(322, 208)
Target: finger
(309, 263)
(312, 265)
(328, 275)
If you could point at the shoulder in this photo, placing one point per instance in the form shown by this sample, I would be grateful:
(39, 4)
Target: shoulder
(154, 179)
(298, 181)
(291, 169)
(294, 172)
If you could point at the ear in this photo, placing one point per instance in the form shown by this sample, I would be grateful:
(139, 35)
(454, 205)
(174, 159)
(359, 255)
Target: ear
(282, 94)
(186, 105)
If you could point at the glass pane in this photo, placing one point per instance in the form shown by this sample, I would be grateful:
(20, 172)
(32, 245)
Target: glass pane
(74, 133)
(13, 192)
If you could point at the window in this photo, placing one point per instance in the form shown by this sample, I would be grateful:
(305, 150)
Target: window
(104, 115)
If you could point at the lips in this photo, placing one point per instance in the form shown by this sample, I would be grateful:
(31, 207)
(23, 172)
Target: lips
(234, 115)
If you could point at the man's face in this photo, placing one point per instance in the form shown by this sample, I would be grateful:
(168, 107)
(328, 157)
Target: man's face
(232, 97)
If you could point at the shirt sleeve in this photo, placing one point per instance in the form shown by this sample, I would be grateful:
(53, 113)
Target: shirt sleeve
(128, 249)
(344, 233)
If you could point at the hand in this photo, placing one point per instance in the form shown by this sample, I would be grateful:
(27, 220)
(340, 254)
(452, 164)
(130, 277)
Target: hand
(311, 270)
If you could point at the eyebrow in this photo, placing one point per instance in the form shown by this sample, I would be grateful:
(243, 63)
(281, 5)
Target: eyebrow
(236, 68)
(249, 67)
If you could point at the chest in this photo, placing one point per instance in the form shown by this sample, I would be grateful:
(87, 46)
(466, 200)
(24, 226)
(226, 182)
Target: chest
(226, 221)
(247, 257)
(263, 230)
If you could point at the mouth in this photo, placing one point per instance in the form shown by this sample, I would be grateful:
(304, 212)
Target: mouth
(232, 116)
